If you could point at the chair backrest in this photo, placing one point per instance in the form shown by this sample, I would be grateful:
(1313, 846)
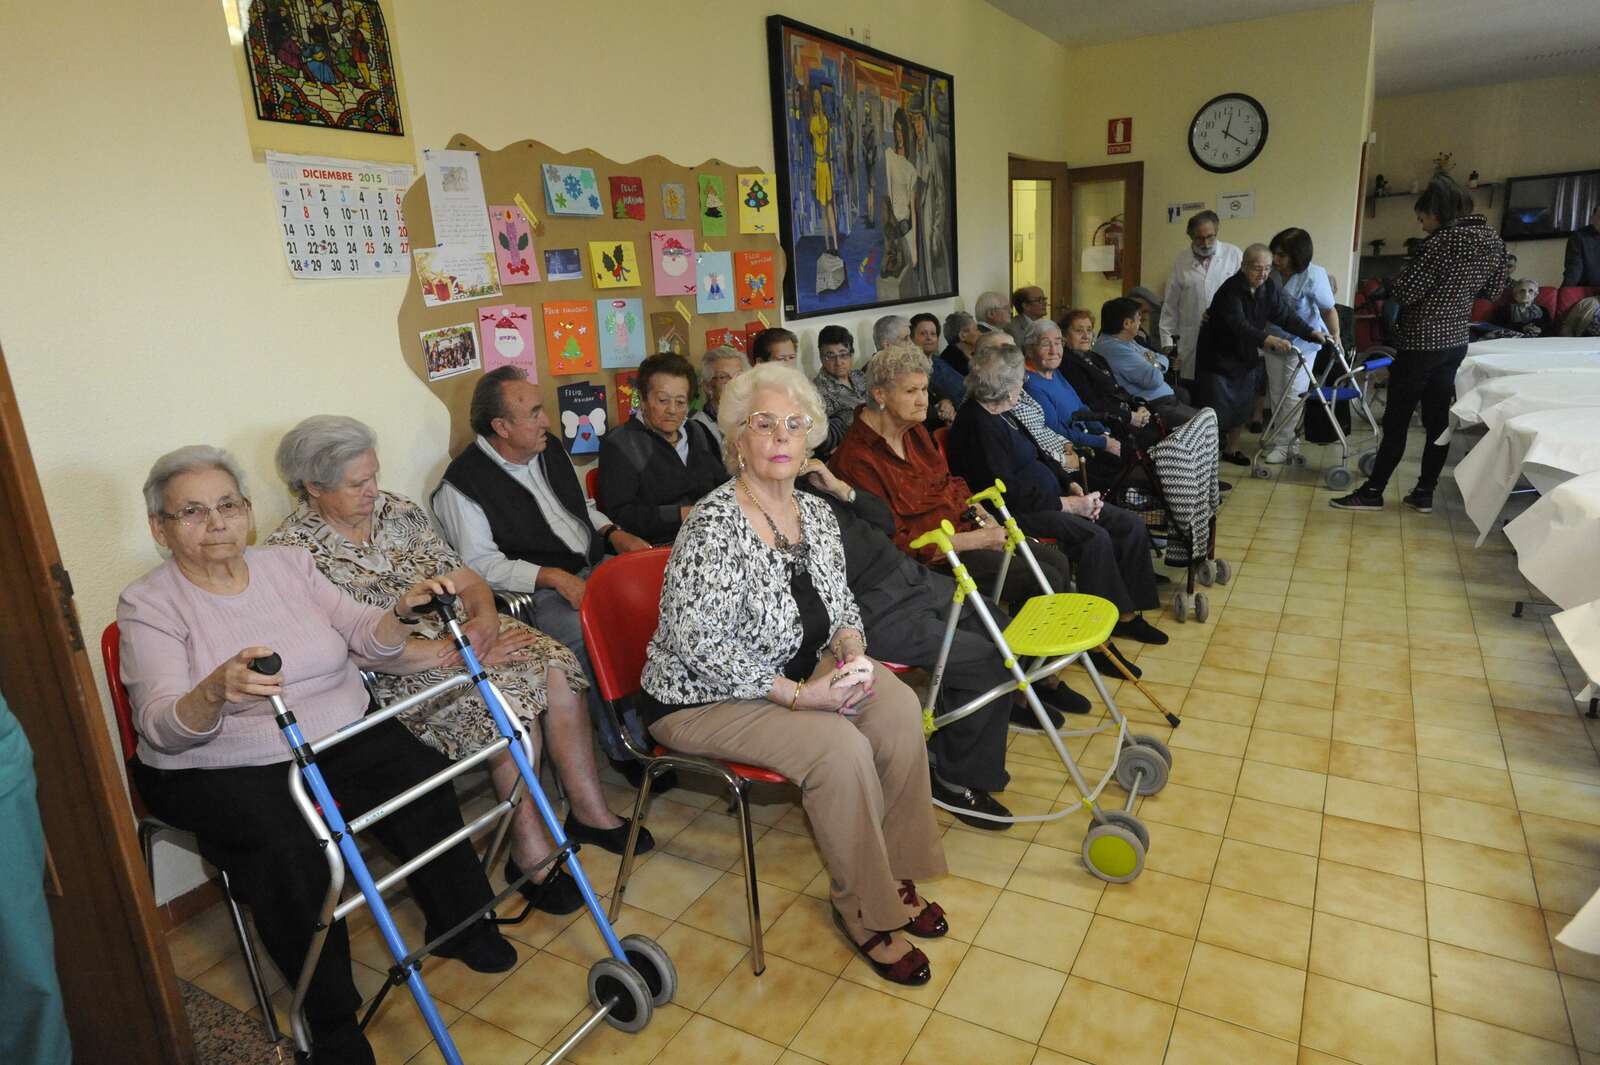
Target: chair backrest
(591, 481)
(111, 656)
(941, 437)
(621, 603)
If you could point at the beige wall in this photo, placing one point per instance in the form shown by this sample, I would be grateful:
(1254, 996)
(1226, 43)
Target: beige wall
(148, 305)
(1312, 73)
(1510, 130)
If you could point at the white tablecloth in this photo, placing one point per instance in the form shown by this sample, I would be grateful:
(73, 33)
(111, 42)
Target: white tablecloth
(1548, 447)
(1499, 398)
(1502, 358)
(1558, 544)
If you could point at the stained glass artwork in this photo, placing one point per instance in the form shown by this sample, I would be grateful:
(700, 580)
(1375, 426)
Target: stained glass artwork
(321, 63)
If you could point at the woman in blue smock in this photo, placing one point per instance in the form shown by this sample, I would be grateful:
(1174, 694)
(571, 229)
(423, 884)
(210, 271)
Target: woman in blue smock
(1311, 293)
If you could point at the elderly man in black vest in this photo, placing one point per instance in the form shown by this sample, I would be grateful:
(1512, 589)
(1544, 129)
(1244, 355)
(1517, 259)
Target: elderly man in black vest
(511, 504)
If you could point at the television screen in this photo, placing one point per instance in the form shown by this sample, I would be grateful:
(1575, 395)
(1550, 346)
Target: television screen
(1549, 205)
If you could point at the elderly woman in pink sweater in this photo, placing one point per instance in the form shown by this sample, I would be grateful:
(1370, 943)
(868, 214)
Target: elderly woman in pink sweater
(211, 759)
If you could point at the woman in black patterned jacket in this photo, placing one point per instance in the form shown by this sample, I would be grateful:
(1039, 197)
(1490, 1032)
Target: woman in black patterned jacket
(1461, 260)
(759, 658)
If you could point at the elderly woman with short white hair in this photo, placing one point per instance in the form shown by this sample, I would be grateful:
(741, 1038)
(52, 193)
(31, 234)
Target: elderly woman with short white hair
(371, 544)
(758, 657)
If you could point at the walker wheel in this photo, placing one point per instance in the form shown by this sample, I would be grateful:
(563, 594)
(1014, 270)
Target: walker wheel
(613, 981)
(1366, 462)
(1260, 471)
(1224, 571)
(1137, 760)
(1338, 478)
(1180, 607)
(650, 961)
(1113, 853)
(1202, 607)
(1144, 739)
(1129, 822)
(1298, 459)
(1205, 573)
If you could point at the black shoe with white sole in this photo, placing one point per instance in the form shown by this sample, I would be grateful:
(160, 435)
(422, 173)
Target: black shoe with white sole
(974, 800)
(1419, 501)
(1362, 498)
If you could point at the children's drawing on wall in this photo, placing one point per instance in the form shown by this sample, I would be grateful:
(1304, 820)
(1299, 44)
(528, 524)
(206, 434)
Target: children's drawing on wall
(672, 251)
(755, 279)
(756, 211)
(866, 152)
(563, 264)
(320, 63)
(569, 337)
(507, 334)
(670, 332)
(674, 202)
(627, 396)
(449, 350)
(451, 277)
(513, 245)
(583, 416)
(714, 288)
(627, 198)
(713, 220)
(612, 264)
(621, 331)
(571, 190)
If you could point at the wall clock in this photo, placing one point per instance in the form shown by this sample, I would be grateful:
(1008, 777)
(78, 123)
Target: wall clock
(1228, 132)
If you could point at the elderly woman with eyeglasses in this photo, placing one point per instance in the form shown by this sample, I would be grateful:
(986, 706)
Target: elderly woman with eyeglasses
(758, 657)
(842, 388)
(211, 759)
(654, 468)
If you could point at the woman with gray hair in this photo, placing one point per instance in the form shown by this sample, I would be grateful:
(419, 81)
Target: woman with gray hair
(212, 761)
(950, 365)
(1109, 546)
(371, 543)
(759, 657)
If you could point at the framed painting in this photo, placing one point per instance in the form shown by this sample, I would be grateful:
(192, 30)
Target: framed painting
(321, 63)
(865, 147)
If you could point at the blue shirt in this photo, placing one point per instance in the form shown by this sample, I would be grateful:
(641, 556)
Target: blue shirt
(1130, 364)
(1310, 294)
(946, 382)
(1060, 402)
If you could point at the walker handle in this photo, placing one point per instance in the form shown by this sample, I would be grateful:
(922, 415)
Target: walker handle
(267, 665)
(995, 494)
(939, 537)
(443, 604)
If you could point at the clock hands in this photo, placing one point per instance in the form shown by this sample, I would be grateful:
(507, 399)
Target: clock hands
(1231, 137)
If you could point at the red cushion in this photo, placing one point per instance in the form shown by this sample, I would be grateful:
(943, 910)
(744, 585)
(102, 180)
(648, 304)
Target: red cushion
(1482, 310)
(1547, 298)
(1564, 299)
(739, 769)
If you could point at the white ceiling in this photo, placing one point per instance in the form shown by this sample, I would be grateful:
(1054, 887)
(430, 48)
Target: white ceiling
(1423, 45)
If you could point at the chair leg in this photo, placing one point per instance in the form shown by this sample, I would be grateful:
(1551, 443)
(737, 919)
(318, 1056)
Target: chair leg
(252, 964)
(741, 798)
(626, 869)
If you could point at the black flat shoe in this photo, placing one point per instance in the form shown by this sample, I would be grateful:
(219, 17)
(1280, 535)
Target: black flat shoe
(1137, 628)
(1237, 458)
(1060, 698)
(974, 800)
(910, 971)
(1103, 662)
(611, 839)
(341, 1043)
(480, 948)
(633, 772)
(1224, 486)
(1023, 718)
(558, 894)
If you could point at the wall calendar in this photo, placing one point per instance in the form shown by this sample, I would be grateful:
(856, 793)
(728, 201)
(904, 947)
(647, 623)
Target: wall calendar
(339, 217)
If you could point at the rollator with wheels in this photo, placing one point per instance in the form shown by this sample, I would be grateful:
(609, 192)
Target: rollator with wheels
(624, 987)
(1052, 631)
(1338, 381)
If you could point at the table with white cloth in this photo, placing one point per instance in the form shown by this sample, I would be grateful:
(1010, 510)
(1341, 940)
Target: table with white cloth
(1546, 446)
(1498, 398)
(1502, 358)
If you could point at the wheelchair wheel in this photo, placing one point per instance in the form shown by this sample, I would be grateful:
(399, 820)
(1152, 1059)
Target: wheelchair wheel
(1366, 462)
(617, 982)
(1113, 853)
(650, 961)
(1206, 572)
(1260, 471)
(1129, 822)
(1338, 478)
(1143, 766)
(1202, 607)
(1224, 571)
(1180, 608)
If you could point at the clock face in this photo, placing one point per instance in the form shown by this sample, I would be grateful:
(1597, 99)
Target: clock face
(1228, 133)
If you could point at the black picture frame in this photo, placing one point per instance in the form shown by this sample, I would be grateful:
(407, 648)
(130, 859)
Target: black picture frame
(1231, 168)
(873, 105)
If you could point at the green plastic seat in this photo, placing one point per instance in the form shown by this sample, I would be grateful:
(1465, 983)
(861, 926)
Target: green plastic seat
(1049, 626)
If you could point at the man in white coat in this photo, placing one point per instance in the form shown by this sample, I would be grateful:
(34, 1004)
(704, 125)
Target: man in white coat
(1197, 273)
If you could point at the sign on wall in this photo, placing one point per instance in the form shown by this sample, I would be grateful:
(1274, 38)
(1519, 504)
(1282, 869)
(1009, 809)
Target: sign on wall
(341, 217)
(1236, 205)
(1119, 136)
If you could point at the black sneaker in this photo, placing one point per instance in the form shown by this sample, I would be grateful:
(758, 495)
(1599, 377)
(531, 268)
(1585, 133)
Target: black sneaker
(1362, 498)
(340, 1043)
(558, 894)
(1137, 628)
(971, 799)
(1059, 698)
(1419, 501)
(480, 948)
(1023, 718)
(611, 839)
(1224, 486)
(1108, 669)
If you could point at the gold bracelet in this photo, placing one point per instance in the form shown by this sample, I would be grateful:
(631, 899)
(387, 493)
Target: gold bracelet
(794, 698)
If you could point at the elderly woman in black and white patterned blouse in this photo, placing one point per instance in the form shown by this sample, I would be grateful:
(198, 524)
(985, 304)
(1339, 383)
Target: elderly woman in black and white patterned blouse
(759, 658)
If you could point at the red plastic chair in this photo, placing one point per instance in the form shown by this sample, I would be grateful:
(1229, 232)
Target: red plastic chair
(591, 482)
(941, 438)
(621, 604)
(149, 825)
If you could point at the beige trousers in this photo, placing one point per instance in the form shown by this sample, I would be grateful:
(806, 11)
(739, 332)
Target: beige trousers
(863, 782)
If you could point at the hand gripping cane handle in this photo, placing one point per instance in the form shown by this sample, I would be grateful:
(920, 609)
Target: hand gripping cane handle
(443, 604)
(267, 665)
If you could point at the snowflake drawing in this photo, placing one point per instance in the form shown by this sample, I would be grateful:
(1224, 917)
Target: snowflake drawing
(594, 202)
(574, 189)
(588, 178)
(561, 201)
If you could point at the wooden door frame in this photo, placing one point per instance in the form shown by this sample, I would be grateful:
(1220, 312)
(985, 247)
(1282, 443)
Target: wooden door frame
(1022, 169)
(117, 981)
(1132, 176)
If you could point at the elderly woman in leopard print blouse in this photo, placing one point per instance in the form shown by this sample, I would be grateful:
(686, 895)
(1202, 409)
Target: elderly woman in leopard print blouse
(758, 657)
(373, 544)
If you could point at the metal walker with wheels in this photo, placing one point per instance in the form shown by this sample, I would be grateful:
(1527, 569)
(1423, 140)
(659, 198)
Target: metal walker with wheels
(1343, 380)
(1055, 629)
(624, 987)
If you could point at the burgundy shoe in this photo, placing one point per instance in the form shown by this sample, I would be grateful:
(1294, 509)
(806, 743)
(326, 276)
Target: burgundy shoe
(930, 923)
(912, 970)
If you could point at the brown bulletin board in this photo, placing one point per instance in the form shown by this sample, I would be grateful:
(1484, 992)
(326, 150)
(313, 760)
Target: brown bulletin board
(516, 169)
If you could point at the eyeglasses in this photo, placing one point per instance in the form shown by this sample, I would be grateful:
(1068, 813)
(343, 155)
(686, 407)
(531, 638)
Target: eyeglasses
(196, 514)
(832, 356)
(766, 423)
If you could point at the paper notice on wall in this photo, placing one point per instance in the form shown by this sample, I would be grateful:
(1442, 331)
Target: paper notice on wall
(1099, 258)
(1177, 212)
(340, 217)
(1236, 205)
(455, 194)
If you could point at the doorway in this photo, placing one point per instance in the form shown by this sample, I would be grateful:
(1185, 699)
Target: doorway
(1039, 234)
(1075, 233)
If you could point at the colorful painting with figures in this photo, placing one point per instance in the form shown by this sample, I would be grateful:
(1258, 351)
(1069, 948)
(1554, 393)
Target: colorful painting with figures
(321, 63)
(866, 173)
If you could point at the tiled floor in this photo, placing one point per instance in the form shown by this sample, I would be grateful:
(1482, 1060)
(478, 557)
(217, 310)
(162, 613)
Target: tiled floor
(1383, 806)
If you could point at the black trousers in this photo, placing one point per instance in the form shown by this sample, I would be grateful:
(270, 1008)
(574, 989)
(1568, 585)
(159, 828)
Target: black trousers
(1020, 583)
(1427, 378)
(1111, 556)
(249, 827)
